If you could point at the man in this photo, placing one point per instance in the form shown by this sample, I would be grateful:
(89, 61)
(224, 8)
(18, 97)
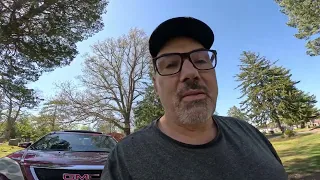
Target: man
(188, 141)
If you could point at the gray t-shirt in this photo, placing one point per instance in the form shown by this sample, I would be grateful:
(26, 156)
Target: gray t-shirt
(239, 152)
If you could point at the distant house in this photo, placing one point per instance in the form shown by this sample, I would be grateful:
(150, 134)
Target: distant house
(315, 122)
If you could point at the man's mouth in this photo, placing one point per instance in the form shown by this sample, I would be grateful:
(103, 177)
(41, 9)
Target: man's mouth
(193, 95)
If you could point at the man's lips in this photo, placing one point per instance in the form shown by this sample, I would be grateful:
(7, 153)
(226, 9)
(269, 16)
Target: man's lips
(192, 93)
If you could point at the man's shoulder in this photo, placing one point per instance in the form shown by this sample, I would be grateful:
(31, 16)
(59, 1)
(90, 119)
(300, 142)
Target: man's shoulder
(241, 128)
(237, 124)
(140, 136)
(231, 121)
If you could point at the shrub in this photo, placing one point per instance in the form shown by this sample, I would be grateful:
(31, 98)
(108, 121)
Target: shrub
(289, 133)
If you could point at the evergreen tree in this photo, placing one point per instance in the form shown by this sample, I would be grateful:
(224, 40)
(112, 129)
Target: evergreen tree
(301, 108)
(265, 88)
(237, 113)
(305, 16)
(37, 36)
(148, 109)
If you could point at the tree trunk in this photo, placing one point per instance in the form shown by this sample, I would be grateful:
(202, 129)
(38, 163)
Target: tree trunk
(10, 130)
(127, 131)
(9, 126)
(303, 125)
(279, 125)
(52, 125)
(54, 118)
(127, 127)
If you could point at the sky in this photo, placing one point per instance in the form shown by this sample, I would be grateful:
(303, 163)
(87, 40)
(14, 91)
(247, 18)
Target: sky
(248, 25)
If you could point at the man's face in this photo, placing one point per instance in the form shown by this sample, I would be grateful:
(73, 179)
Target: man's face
(190, 95)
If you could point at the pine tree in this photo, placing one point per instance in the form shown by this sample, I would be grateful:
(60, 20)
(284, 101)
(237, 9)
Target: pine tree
(305, 16)
(148, 109)
(265, 89)
(301, 108)
(237, 113)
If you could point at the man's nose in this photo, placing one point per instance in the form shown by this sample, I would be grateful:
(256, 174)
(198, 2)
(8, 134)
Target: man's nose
(188, 71)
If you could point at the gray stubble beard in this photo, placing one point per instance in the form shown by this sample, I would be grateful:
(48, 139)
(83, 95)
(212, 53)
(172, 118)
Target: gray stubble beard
(192, 113)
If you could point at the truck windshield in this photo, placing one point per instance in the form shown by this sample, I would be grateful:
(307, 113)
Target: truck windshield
(85, 142)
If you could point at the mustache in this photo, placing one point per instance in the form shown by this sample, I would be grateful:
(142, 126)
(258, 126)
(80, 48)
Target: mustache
(192, 85)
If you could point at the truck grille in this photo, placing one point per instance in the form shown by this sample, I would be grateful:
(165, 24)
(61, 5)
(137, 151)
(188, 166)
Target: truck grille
(67, 174)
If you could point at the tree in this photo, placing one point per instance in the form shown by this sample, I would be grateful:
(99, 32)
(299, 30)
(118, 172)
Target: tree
(54, 114)
(15, 101)
(266, 89)
(85, 127)
(105, 127)
(114, 77)
(237, 113)
(37, 36)
(301, 108)
(31, 127)
(305, 16)
(149, 109)
(25, 128)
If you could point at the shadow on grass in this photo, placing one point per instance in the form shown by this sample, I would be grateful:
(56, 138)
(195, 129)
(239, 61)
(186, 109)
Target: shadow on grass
(278, 138)
(317, 127)
(303, 168)
(313, 176)
(308, 165)
(270, 136)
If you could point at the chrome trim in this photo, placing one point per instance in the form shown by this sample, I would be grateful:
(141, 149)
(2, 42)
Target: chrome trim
(24, 156)
(33, 173)
(72, 167)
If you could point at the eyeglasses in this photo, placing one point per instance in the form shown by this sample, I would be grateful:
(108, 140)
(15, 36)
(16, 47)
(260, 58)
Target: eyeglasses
(171, 63)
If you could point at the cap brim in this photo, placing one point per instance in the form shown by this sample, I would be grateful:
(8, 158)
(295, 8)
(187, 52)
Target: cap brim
(180, 27)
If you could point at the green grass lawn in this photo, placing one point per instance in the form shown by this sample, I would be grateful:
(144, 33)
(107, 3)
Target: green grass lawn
(300, 154)
(5, 149)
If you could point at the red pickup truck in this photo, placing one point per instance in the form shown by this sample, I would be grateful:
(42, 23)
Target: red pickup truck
(68, 155)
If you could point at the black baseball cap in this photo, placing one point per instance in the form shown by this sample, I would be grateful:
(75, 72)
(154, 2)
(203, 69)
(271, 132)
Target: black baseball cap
(180, 27)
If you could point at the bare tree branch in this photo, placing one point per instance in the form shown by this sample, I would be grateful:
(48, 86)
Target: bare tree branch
(113, 78)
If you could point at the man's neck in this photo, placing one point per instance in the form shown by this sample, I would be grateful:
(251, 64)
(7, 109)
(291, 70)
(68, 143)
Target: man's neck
(196, 134)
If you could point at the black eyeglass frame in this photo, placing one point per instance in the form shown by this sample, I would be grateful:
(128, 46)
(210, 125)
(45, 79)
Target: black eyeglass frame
(183, 57)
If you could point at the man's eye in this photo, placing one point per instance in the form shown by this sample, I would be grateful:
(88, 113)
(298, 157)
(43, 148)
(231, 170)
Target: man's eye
(172, 65)
(201, 61)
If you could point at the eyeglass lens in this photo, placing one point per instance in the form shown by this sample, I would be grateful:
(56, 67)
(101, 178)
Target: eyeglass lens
(171, 64)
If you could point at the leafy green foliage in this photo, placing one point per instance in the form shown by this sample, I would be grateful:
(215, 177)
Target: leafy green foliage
(289, 133)
(148, 109)
(37, 36)
(85, 127)
(25, 129)
(237, 113)
(301, 108)
(33, 127)
(14, 102)
(266, 88)
(305, 16)
(54, 114)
